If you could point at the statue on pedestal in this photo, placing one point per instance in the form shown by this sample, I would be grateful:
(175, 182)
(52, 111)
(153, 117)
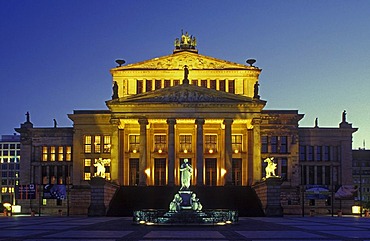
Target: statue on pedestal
(270, 168)
(186, 172)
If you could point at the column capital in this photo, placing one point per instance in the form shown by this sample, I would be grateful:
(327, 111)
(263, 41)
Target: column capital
(171, 121)
(199, 121)
(143, 121)
(228, 121)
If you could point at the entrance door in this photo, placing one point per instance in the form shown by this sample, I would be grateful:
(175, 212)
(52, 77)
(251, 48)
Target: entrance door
(134, 172)
(237, 171)
(211, 171)
(160, 171)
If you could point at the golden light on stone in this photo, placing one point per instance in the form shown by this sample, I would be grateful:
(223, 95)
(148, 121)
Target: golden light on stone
(223, 172)
(210, 151)
(147, 172)
(185, 151)
(134, 151)
(160, 151)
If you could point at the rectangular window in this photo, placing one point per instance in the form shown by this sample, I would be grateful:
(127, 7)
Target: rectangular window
(134, 143)
(236, 143)
(68, 153)
(167, 83)
(211, 171)
(52, 153)
(284, 168)
(148, 83)
(302, 153)
(211, 143)
(176, 82)
(160, 143)
(311, 175)
(310, 153)
(107, 144)
(237, 171)
(232, 86)
(319, 175)
(139, 87)
(60, 153)
(318, 153)
(88, 144)
(185, 143)
(274, 144)
(44, 153)
(264, 144)
(159, 171)
(87, 169)
(283, 144)
(327, 175)
(222, 85)
(158, 84)
(212, 84)
(194, 82)
(203, 83)
(97, 144)
(326, 153)
(134, 171)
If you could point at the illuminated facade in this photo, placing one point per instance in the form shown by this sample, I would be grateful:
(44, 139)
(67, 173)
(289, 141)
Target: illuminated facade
(188, 106)
(10, 159)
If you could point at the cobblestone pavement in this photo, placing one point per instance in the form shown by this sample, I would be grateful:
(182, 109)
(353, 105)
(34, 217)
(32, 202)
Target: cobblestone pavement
(120, 228)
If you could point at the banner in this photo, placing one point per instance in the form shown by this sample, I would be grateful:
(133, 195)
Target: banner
(52, 191)
(25, 191)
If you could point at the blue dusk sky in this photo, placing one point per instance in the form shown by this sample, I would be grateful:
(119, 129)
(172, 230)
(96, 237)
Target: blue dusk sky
(314, 54)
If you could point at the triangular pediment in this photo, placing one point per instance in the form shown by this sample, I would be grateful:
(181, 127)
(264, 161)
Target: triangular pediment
(179, 59)
(184, 93)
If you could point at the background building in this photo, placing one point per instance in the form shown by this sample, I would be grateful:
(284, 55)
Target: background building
(361, 175)
(10, 159)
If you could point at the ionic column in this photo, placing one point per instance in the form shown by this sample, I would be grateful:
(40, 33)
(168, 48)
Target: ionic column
(199, 161)
(228, 151)
(142, 161)
(171, 151)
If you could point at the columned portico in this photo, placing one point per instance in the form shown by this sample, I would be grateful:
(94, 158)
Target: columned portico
(143, 150)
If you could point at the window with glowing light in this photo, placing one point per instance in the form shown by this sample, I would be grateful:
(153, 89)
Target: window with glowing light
(52, 153)
(210, 143)
(97, 144)
(60, 153)
(134, 143)
(185, 143)
(106, 144)
(88, 144)
(44, 153)
(160, 143)
(236, 143)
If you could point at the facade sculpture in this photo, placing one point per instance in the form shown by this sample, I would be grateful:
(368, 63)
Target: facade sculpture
(270, 168)
(100, 165)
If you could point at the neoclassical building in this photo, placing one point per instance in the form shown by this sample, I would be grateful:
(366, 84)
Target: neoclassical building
(184, 106)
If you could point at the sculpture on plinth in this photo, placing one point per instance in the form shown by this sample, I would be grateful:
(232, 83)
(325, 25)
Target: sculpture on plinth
(270, 168)
(175, 204)
(186, 173)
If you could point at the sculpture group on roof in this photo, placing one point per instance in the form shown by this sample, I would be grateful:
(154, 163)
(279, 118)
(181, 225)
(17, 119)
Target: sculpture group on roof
(186, 41)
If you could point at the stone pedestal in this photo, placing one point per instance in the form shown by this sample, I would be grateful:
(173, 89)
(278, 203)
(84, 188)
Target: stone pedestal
(101, 195)
(186, 196)
(269, 192)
